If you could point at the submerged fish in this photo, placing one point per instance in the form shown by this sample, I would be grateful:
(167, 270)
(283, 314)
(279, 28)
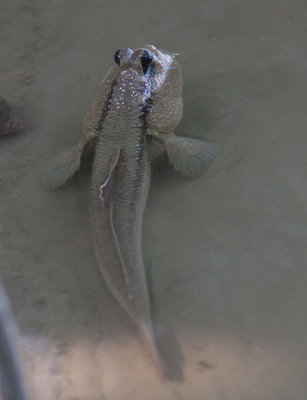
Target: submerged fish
(140, 100)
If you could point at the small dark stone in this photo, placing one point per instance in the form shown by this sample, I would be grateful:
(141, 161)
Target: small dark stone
(206, 365)
(9, 122)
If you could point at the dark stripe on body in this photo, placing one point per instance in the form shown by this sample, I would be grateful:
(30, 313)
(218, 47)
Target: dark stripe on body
(141, 143)
(106, 105)
(144, 114)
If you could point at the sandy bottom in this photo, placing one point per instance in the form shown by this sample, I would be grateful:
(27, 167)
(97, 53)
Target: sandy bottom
(226, 253)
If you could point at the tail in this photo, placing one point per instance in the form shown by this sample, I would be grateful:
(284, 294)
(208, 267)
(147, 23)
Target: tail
(165, 352)
(190, 157)
(160, 341)
(61, 168)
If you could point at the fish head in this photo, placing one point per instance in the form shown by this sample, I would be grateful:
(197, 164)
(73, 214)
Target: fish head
(150, 63)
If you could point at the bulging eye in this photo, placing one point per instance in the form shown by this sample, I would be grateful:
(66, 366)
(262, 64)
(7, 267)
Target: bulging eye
(146, 59)
(116, 57)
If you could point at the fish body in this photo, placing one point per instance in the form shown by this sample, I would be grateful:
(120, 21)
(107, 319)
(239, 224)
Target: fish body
(120, 184)
(140, 101)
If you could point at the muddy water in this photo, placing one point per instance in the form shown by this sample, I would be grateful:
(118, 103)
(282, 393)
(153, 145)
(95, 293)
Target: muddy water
(226, 253)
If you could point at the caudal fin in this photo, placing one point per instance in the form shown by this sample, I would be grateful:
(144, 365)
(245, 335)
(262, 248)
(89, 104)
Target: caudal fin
(165, 351)
(61, 168)
(190, 157)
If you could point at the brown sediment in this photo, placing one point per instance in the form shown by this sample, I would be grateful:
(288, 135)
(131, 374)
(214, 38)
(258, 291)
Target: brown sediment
(9, 121)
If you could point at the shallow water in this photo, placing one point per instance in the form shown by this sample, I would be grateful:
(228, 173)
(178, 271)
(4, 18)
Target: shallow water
(226, 252)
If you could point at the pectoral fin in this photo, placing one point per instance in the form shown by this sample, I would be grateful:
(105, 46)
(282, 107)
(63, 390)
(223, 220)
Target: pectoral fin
(190, 157)
(62, 167)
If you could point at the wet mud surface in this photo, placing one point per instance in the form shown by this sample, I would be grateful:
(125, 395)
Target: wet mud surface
(226, 252)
